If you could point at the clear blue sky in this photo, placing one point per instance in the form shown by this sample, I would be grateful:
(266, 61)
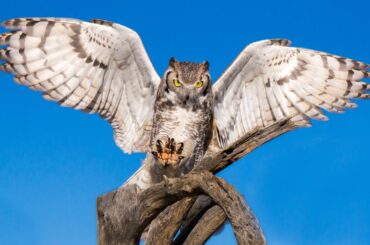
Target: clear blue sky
(306, 187)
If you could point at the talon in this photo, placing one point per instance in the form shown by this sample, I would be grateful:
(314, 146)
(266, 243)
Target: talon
(168, 143)
(173, 146)
(181, 148)
(167, 152)
(159, 146)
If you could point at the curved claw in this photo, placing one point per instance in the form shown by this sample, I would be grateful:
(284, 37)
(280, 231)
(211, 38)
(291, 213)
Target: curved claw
(168, 153)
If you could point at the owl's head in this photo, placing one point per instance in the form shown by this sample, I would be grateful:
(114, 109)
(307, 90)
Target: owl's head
(188, 80)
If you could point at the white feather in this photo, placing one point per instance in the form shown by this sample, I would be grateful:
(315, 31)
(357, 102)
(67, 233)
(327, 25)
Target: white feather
(284, 82)
(87, 66)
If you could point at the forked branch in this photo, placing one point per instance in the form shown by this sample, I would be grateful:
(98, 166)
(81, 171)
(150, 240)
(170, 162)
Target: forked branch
(124, 214)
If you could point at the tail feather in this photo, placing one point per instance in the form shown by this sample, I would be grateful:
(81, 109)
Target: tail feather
(141, 178)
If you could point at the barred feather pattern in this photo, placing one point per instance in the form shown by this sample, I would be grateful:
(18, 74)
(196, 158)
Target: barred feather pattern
(270, 81)
(97, 67)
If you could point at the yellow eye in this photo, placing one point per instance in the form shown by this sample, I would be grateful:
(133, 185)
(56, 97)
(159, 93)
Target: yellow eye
(177, 83)
(199, 84)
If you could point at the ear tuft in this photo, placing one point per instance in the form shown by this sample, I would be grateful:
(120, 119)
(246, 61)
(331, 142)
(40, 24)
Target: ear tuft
(205, 64)
(172, 62)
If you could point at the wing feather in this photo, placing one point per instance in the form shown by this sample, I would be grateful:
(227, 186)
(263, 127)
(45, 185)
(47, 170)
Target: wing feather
(270, 81)
(98, 67)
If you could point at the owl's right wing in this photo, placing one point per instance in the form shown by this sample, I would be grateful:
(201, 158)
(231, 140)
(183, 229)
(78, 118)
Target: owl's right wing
(270, 81)
(98, 67)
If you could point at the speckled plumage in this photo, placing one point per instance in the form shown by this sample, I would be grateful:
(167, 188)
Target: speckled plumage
(184, 114)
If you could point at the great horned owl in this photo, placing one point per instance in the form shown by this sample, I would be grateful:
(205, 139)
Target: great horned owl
(182, 116)
(102, 67)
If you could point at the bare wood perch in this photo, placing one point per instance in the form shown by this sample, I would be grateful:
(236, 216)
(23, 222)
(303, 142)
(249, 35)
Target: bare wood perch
(208, 224)
(164, 230)
(124, 214)
(226, 157)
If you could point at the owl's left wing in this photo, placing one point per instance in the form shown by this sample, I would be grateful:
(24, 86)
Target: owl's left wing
(98, 67)
(270, 81)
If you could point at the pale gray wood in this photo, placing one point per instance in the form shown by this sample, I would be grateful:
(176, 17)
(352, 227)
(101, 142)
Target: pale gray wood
(206, 226)
(123, 214)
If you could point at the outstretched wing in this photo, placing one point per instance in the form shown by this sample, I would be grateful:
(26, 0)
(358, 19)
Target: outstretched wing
(98, 67)
(270, 81)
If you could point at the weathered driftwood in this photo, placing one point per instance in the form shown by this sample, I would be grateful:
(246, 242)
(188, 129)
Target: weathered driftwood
(208, 223)
(121, 224)
(164, 230)
(124, 214)
(198, 211)
(223, 159)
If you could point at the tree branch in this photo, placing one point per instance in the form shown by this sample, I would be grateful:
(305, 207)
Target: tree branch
(243, 146)
(195, 214)
(120, 223)
(124, 214)
(217, 162)
(208, 224)
(164, 227)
